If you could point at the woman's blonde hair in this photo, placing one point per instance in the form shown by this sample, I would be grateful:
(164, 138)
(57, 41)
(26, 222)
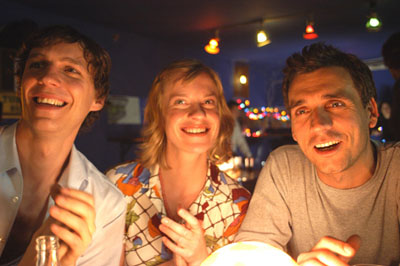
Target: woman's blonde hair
(152, 150)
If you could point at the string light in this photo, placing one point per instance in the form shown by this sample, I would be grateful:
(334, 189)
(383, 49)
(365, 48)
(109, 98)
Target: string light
(254, 113)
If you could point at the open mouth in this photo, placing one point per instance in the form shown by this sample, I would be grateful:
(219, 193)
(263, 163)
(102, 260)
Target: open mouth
(49, 101)
(195, 130)
(330, 145)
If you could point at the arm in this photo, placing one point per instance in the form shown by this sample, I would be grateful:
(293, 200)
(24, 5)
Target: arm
(268, 218)
(330, 252)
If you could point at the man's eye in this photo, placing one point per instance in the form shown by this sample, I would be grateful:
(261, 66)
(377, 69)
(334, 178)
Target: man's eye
(71, 70)
(300, 112)
(336, 104)
(36, 65)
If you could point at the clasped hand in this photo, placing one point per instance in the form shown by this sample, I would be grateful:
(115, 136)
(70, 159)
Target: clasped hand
(72, 220)
(188, 243)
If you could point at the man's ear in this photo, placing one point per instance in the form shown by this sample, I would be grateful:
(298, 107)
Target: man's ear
(98, 104)
(372, 108)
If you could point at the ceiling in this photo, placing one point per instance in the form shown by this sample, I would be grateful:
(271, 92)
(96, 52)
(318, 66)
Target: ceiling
(192, 23)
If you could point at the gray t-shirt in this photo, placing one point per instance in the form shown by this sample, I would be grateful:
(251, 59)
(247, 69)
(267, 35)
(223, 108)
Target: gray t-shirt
(292, 209)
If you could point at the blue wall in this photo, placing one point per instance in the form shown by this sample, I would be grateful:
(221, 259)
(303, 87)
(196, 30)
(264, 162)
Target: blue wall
(136, 61)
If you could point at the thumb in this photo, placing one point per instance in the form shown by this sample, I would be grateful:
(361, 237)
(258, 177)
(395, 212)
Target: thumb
(354, 243)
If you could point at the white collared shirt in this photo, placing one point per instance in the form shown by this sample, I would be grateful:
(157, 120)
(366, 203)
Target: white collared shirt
(106, 246)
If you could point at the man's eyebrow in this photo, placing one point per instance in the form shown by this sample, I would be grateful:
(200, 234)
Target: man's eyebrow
(80, 61)
(338, 95)
(295, 104)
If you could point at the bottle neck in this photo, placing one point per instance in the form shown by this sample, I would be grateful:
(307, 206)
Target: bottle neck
(47, 251)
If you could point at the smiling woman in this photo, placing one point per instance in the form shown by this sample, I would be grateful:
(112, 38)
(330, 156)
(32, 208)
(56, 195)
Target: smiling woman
(181, 207)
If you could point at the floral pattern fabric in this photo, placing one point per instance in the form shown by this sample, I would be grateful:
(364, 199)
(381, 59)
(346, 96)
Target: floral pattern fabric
(221, 206)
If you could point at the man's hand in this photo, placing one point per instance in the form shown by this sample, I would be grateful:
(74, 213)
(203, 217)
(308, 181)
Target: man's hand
(188, 240)
(72, 220)
(330, 252)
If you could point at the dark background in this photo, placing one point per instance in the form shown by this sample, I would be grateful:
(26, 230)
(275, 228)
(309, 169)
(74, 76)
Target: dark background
(144, 36)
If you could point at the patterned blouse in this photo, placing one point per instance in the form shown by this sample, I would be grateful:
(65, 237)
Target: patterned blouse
(221, 206)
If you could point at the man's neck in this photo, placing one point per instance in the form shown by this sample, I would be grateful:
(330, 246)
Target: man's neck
(42, 158)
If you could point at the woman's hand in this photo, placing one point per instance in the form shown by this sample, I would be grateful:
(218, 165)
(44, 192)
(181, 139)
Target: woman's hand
(187, 239)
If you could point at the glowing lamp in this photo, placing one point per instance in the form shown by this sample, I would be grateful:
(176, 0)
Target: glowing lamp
(243, 79)
(310, 33)
(249, 253)
(212, 46)
(373, 23)
(262, 38)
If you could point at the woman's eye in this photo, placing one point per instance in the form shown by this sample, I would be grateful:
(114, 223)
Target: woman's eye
(179, 102)
(210, 101)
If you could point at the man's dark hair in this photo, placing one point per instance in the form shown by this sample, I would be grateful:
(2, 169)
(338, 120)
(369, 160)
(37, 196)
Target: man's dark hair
(391, 51)
(319, 55)
(99, 62)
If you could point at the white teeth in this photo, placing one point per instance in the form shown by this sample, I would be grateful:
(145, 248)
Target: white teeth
(49, 101)
(195, 130)
(327, 144)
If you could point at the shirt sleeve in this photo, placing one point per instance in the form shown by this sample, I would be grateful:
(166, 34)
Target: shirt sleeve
(268, 218)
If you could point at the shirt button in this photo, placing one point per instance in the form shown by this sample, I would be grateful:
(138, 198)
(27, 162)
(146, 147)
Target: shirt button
(15, 199)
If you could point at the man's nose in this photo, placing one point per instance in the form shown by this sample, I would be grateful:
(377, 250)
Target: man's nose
(321, 118)
(50, 76)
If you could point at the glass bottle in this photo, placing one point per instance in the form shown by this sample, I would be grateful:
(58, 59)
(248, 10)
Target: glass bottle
(47, 251)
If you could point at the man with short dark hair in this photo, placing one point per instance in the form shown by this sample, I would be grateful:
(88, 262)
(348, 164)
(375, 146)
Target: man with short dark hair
(391, 58)
(334, 198)
(46, 185)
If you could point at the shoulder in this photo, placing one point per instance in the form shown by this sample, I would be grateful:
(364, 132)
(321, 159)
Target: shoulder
(109, 201)
(226, 187)
(129, 177)
(286, 157)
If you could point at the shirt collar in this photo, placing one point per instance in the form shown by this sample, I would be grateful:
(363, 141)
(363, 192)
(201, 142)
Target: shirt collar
(8, 149)
(76, 173)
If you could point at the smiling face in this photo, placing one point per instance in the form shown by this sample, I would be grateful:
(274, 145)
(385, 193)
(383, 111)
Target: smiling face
(57, 90)
(191, 115)
(329, 121)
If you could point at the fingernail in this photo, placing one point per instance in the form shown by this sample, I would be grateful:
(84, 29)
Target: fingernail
(164, 220)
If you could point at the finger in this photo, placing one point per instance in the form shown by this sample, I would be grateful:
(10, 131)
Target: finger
(175, 227)
(310, 262)
(192, 221)
(81, 208)
(179, 261)
(355, 242)
(71, 243)
(179, 239)
(76, 223)
(78, 194)
(173, 247)
(320, 257)
(335, 246)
